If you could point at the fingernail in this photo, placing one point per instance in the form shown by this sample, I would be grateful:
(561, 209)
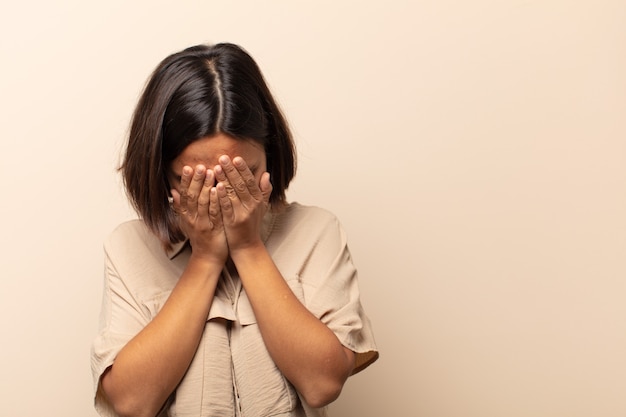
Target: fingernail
(224, 160)
(187, 170)
(209, 179)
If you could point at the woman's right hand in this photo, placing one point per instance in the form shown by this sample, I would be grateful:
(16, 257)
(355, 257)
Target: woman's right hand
(199, 214)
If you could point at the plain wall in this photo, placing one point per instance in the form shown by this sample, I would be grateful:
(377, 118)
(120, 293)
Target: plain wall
(475, 152)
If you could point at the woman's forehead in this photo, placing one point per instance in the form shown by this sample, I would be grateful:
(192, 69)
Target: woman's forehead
(207, 150)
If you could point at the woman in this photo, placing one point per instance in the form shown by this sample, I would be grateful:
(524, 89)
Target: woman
(224, 299)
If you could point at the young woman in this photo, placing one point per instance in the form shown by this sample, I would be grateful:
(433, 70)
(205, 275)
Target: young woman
(223, 299)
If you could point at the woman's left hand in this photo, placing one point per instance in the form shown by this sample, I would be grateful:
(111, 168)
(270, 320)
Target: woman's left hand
(243, 202)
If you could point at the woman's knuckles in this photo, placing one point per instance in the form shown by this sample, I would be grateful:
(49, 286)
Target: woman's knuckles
(241, 187)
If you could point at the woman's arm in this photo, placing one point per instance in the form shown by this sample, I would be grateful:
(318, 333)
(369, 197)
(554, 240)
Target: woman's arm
(150, 366)
(305, 350)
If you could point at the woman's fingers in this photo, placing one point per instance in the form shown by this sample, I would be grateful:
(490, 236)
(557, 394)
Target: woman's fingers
(265, 186)
(247, 179)
(185, 179)
(215, 213)
(204, 196)
(225, 201)
(226, 194)
(238, 179)
(192, 183)
(195, 187)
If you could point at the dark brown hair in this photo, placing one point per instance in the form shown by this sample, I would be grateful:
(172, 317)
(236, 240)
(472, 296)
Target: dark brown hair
(199, 92)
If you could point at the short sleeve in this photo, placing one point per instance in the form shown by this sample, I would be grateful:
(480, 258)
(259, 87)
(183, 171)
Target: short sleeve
(330, 286)
(121, 318)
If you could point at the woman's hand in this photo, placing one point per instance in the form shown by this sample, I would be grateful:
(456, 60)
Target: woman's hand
(243, 201)
(200, 218)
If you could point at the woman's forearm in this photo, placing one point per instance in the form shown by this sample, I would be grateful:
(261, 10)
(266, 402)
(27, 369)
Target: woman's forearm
(305, 350)
(150, 366)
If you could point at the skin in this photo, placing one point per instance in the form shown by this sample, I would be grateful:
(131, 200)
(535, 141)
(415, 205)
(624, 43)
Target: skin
(221, 210)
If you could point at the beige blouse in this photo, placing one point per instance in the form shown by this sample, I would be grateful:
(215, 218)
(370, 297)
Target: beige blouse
(232, 373)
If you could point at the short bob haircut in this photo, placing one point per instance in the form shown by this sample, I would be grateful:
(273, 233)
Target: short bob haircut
(198, 92)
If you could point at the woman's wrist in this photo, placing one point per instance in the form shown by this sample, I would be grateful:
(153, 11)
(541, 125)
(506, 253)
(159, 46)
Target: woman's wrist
(248, 251)
(206, 265)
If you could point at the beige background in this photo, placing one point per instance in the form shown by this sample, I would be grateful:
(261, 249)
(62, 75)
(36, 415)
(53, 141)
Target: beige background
(474, 150)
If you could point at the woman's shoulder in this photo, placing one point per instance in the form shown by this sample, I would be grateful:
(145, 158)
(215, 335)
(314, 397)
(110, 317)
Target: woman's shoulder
(300, 211)
(301, 214)
(132, 237)
(130, 229)
(299, 220)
